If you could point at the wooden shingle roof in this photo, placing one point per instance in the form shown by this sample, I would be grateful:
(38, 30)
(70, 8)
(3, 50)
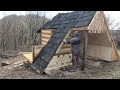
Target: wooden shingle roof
(73, 19)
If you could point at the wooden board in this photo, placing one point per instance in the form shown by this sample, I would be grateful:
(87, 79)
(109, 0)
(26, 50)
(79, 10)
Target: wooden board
(45, 35)
(80, 28)
(66, 46)
(24, 53)
(44, 43)
(44, 39)
(66, 50)
(46, 30)
(28, 57)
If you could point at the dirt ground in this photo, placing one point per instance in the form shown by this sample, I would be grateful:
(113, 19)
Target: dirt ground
(10, 70)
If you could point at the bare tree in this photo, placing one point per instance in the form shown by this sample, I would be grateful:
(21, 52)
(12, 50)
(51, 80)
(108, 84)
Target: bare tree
(19, 32)
(43, 14)
(4, 33)
(112, 24)
(34, 24)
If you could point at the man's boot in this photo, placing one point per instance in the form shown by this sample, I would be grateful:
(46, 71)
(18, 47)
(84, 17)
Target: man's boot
(72, 69)
(77, 65)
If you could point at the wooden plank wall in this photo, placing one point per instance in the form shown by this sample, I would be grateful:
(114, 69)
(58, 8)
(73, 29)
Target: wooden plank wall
(45, 36)
(100, 52)
(100, 39)
(98, 23)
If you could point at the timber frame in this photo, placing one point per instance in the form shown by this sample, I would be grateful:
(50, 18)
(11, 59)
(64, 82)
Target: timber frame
(96, 43)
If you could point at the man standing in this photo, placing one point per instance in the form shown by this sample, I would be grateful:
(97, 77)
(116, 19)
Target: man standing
(75, 48)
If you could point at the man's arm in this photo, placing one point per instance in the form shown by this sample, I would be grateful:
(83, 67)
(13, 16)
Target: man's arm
(66, 42)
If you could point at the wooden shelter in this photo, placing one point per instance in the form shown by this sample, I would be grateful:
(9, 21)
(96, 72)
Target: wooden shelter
(96, 40)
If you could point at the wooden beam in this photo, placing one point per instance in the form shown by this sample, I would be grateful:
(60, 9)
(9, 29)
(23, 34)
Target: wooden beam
(95, 31)
(66, 46)
(45, 30)
(44, 43)
(46, 40)
(65, 50)
(44, 35)
(84, 50)
(24, 53)
(48, 29)
(80, 29)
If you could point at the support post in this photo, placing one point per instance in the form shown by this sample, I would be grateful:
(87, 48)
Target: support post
(84, 49)
(33, 53)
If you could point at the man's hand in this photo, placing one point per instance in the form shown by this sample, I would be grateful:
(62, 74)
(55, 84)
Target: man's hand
(64, 41)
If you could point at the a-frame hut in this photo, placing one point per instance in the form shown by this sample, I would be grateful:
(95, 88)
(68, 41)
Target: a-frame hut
(96, 40)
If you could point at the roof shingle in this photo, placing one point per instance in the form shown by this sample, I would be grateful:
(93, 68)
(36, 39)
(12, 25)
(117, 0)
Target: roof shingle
(70, 20)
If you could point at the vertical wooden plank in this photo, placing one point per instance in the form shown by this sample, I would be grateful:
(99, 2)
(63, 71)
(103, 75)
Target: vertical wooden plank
(84, 50)
(33, 53)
